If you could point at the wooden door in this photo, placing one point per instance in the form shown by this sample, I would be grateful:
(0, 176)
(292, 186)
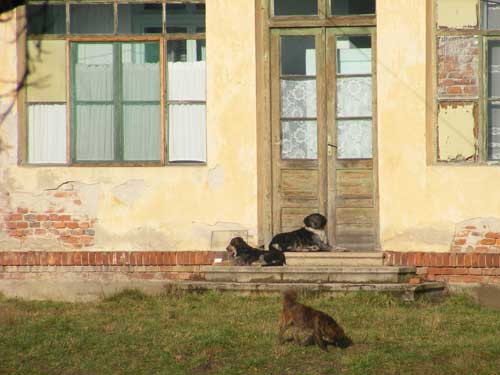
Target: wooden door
(323, 132)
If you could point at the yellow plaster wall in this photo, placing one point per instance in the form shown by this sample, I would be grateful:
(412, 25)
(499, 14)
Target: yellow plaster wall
(172, 207)
(419, 204)
(461, 14)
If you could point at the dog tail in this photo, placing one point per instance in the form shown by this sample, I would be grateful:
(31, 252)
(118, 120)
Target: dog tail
(289, 296)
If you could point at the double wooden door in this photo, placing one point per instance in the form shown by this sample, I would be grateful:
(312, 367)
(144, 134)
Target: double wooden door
(324, 132)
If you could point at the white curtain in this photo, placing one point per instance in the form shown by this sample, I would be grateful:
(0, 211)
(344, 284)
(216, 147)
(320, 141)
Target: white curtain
(47, 133)
(187, 132)
(141, 126)
(95, 132)
(187, 122)
(187, 80)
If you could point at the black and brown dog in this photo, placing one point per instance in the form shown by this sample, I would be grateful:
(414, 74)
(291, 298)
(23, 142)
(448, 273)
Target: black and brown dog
(245, 255)
(320, 328)
(311, 237)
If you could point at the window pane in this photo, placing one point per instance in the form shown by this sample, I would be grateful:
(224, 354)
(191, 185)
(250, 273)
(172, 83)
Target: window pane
(186, 70)
(354, 97)
(298, 98)
(490, 15)
(298, 55)
(91, 18)
(47, 133)
(141, 101)
(46, 19)
(94, 132)
(295, 7)
(139, 18)
(354, 139)
(185, 18)
(47, 67)
(141, 128)
(349, 7)
(494, 131)
(187, 132)
(299, 140)
(354, 55)
(494, 68)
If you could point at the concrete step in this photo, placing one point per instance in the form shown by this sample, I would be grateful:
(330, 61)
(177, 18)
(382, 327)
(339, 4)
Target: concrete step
(406, 291)
(326, 258)
(302, 274)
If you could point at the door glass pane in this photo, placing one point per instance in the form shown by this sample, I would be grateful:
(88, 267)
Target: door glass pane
(46, 19)
(295, 7)
(354, 55)
(494, 68)
(185, 18)
(91, 18)
(490, 14)
(139, 18)
(349, 7)
(354, 139)
(354, 97)
(494, 131)
(299, 140)
(298, 98)
(298, 55)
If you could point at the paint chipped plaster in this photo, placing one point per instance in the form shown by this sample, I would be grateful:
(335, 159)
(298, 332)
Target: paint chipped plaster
(457, 14)
(456, 123)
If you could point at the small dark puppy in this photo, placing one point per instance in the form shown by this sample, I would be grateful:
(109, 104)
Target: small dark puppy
(320, 328)
(309, 238)
(245, 255)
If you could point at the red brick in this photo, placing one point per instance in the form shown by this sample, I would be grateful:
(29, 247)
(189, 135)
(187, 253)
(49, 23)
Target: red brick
(482, 260)
(42, 217)
(77, 202)
(192, 257)
(21, 210)
(98, 258)
(22, 225)
(13, 217)
(53, 217)
(60, 194)
(84, 225)
(460, 241)
(487, 241)
(471, 227)
(11, 224)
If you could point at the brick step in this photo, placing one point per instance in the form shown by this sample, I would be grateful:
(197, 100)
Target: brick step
(325, 258)
(406, 291)
(302, 274)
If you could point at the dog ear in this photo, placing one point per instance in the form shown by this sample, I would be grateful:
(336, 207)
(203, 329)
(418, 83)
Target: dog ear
(308, 222)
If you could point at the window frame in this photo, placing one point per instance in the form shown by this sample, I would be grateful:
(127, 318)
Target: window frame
(481, 99)
(162, 38)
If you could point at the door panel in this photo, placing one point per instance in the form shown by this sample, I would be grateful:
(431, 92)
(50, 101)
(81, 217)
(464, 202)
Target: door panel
(298, 122)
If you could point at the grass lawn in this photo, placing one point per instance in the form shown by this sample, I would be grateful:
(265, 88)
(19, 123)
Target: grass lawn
(215, 333)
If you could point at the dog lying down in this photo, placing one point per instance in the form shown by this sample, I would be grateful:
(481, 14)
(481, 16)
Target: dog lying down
(245, 255)
(320, 328)
(311, 237)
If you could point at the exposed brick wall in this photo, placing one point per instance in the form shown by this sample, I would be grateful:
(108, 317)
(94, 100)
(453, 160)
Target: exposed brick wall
(481, 237)
(60, 219)
(457, 64)
(453, 267)
(109, 258)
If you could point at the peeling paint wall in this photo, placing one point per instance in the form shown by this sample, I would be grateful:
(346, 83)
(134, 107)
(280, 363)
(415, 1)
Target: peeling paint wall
(458, 14)
(154, 208)
(420, 204)
(455, 126)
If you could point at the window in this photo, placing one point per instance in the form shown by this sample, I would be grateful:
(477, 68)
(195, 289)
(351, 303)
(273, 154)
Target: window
(116, 83)
(467, 80)
(312, 7)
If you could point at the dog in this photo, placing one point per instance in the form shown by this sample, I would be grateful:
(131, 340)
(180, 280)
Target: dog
(245, 255)
(311, 237)
(320, 328)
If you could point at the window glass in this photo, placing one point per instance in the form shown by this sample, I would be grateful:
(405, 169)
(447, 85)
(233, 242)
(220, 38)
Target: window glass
(354, 55)
(91, 18)
(295, 7)
(185, 18)
(139, 18)
(186, 101)
(490, 15)
(352, 7)
(46, 19)
(298, 55)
